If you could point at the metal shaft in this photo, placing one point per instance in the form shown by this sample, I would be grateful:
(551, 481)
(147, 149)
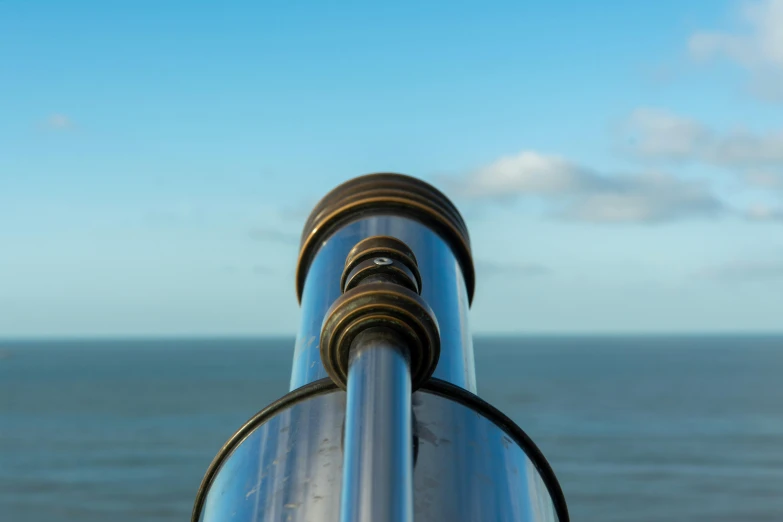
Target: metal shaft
(385, 278)
(378, 461)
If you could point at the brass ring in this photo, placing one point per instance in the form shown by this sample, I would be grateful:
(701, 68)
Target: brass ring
(387, 305)
(386, 193)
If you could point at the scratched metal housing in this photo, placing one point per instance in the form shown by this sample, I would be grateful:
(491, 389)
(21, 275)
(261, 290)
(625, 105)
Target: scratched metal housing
(289, 468)
(471, 462)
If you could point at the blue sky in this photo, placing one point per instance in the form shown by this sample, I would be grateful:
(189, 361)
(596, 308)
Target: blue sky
(620, 164)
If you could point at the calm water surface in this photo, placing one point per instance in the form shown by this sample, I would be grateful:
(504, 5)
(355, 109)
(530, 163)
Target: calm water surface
(637, 429)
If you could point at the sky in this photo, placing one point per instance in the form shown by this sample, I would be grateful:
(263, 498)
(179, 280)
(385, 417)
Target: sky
(619, 164)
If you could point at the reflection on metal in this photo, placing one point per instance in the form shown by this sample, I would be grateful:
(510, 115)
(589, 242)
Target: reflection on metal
(289, 468)
(393, 431)
(378, 462)
(443, 289)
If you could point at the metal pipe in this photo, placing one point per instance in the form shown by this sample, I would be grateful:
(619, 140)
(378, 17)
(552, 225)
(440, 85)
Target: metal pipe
(382, 392)
(377, 484)
(443, 289)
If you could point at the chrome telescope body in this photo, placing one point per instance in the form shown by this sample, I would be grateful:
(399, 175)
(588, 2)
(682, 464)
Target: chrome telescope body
(382, 422)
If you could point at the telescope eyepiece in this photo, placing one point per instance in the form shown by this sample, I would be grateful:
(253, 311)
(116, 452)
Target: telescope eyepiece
(383, 359)
(381, 285)
(381, 259)
(386, 194)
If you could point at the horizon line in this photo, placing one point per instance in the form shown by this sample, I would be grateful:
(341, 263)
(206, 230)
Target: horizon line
(477, 335)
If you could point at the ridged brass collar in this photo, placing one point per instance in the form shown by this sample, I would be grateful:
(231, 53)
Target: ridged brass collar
(386, 193)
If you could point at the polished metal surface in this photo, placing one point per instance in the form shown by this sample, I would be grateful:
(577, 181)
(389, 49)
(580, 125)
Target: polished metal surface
(377, 484)
(468, 469)
(443, 288)
(290, 468)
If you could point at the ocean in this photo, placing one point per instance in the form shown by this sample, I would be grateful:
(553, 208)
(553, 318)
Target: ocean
(636, 428)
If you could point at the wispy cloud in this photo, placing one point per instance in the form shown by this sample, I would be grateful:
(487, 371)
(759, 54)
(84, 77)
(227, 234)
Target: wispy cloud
(259, 270)
(765, 179)
(571, 191)
(273, 235)
(758, 47)
(745, 271)
(263, 270)
(299, 212)
(58, 122)
(657, 136)
(660, 135)
(514, 269)
(764, 212)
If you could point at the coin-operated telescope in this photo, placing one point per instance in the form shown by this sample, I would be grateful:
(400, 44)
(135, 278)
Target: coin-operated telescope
(382, 422)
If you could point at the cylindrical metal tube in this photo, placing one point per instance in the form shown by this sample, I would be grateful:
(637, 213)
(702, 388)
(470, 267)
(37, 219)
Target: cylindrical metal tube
(443, 288)
(377, 483)
(382, 428)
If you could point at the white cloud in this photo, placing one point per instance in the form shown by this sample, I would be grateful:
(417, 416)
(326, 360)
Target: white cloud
(59, 122)
(646, 198)
(661, 134)
(527, 172)
(654, 134)
(758, 49)
(570, 191)
(765, 179)
(746, 149)
(763, 212)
